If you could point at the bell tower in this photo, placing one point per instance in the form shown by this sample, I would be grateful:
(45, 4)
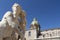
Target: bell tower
(35, 25)
(34, 31)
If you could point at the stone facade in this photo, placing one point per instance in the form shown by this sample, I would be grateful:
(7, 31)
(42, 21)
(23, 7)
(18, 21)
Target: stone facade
(52, 34)
(34, 34)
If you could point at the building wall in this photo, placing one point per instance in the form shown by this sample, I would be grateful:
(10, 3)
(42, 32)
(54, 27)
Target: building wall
(45, 35)
(49, 39)
(30, 34)
(50, 34)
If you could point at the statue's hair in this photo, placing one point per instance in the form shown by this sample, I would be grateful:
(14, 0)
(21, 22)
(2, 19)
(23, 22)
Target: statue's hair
(16, 5)
(23, 12)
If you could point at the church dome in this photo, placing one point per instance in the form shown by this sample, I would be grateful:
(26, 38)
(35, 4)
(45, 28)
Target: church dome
(34, 21)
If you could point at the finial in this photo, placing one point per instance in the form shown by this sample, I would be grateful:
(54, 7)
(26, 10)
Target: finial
(34, 21)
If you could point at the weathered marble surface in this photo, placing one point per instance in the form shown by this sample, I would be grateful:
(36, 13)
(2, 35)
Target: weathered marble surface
(14, 21)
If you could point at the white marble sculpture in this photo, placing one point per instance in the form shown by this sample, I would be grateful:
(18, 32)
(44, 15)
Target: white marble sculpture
(19, 14)
(13, 22)
(8, 25)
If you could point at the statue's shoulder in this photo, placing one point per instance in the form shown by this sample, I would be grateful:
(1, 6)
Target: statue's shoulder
(7, 13)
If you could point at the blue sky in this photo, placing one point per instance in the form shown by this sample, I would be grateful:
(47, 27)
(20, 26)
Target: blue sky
(46, 11)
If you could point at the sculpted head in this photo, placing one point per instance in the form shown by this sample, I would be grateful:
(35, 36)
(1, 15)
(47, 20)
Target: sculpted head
(16, 8)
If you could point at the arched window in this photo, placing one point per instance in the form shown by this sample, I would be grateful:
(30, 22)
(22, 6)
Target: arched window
(50, 35)
(43, 35)
(29, 33)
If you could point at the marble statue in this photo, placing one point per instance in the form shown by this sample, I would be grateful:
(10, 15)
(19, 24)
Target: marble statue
(8, 25)
(20, 15)
(13, 24)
